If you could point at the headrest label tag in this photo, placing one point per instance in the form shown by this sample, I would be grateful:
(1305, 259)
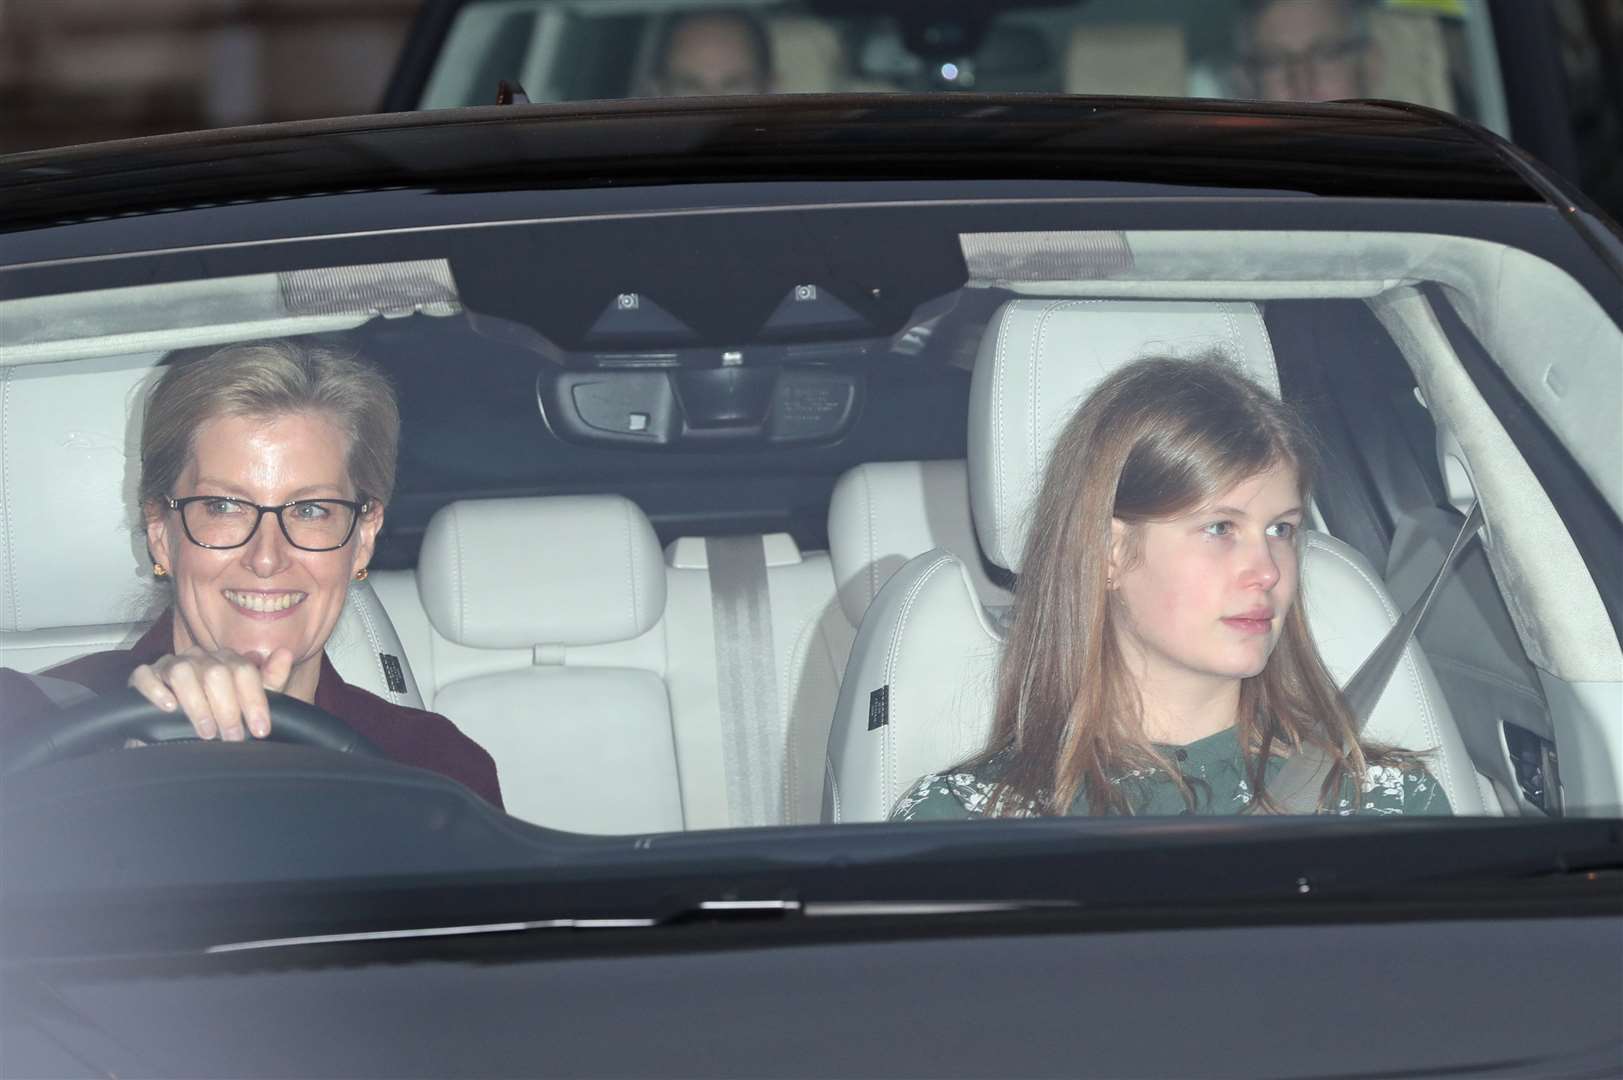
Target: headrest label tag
(879, 707)
(393, 675)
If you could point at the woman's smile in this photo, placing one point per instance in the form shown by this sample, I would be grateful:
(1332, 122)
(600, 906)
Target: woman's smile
(264, 603)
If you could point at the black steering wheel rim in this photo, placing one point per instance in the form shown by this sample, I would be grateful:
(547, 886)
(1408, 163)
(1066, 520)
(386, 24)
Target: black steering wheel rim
(95, 724)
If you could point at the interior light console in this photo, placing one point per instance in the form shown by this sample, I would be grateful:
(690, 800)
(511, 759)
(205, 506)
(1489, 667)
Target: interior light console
(698, 399)
(642, 379)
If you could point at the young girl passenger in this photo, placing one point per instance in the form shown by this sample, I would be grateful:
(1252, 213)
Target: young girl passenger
(1158, 662)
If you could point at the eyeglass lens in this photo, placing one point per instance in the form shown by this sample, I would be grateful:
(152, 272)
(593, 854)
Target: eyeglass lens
(313, 524)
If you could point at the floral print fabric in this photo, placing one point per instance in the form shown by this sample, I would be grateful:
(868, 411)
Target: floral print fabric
(1213, 766)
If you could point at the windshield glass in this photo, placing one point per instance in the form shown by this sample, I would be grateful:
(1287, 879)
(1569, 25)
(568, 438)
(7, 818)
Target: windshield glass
(718, 514)
(1437, 54)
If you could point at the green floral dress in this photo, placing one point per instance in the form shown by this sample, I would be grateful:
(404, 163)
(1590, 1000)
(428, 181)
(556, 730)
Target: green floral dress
(1215, 768)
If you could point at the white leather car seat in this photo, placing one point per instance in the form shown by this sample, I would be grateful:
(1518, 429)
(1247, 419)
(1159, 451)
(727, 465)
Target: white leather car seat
(520, 585)
(591, 665)
(884, 513)
(917, 696)
(74, 573)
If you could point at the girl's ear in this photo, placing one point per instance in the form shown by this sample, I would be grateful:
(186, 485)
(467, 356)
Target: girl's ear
(1118, 552)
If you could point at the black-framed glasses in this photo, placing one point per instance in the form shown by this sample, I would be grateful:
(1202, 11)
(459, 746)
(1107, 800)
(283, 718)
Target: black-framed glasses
(215, 521)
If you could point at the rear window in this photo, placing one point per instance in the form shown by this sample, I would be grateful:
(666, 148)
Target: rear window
(1439, 54)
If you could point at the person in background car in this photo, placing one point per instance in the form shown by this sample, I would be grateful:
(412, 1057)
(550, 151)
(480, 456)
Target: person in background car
(1158, 662)
(714, 52)
(303, 435)
(1306, 50)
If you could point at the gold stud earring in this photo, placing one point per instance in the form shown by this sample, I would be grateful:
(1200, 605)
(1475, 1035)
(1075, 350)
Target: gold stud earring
(159, 570)
(360, 575)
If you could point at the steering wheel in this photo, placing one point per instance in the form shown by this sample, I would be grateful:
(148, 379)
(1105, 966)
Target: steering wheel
(127, 715)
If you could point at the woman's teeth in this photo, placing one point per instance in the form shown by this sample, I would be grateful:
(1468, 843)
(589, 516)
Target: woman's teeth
(262, 603)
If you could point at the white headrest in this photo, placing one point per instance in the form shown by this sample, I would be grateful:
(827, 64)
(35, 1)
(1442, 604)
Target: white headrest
(71, 549)
(884, 513)
(1039, 360)
(565, 570)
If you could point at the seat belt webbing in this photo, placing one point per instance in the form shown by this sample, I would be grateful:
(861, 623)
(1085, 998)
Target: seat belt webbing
(746, 678)
(63, 693)
(1296, 787)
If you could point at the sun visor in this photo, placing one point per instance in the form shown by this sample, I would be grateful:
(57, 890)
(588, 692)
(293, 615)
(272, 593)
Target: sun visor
(187, 314)
(1193, 265)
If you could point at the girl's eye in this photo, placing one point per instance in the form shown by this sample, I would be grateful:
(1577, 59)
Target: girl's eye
(222, 507)
(1219, 528)
(1283, 530)
(310, 511)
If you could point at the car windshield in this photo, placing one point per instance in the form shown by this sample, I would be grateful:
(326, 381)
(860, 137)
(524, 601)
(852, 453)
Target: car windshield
(712, 498)
(1441, 55)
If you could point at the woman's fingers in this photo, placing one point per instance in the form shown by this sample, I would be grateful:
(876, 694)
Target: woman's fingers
(220, 686)
(145, 681)
(250, 689)
(277, 670)
(221, 693)
(185, 682)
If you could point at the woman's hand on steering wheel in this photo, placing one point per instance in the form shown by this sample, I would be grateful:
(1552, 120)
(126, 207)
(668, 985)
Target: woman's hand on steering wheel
(221, 692)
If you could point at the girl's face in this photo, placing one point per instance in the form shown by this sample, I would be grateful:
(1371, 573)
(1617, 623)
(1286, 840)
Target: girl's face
(1206, 596)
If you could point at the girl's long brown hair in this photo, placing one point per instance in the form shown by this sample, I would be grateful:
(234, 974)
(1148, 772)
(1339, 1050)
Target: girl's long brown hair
(1156, 439)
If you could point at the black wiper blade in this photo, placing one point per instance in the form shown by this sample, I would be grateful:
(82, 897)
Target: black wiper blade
(419, 932)
(705, 911)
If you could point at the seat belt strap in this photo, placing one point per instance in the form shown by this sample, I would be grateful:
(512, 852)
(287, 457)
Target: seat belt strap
(1368, 683)
(63, 693)
(1297, 785)
(746, 678)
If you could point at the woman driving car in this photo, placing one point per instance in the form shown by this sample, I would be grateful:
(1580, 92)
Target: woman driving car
(1159, 661)
(306, 436)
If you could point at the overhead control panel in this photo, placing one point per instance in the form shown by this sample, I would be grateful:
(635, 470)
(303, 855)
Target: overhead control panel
(681, 406)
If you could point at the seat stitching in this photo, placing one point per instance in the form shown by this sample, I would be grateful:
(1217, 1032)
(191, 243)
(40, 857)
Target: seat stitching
(631, 565)
(832, 779)
(1429, 721)
(1034, 392)
(1268, 344)
(1035, 389)
(456, 578)
(887, 739)
(873, 553)
(1234, 334)
(787, 788)
(999, 375)
(376, 643)
(5, 503)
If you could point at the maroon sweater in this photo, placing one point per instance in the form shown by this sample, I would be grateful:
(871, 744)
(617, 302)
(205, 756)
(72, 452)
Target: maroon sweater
(410, 736)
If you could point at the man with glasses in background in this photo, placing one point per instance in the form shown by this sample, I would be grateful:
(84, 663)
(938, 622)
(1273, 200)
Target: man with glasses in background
(1306, 50)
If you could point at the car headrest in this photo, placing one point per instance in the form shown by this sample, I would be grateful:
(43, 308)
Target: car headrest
(1038, 361)
(71, 549)
(561, 570)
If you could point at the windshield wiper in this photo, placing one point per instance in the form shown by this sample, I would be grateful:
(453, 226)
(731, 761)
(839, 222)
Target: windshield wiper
(705, 911)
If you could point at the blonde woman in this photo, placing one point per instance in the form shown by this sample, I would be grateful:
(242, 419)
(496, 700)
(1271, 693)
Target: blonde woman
(265, 469)
(1158, 661)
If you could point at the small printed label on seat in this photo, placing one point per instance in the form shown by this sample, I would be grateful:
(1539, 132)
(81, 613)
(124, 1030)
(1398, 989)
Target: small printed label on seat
(392, 673)
(879, 708)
